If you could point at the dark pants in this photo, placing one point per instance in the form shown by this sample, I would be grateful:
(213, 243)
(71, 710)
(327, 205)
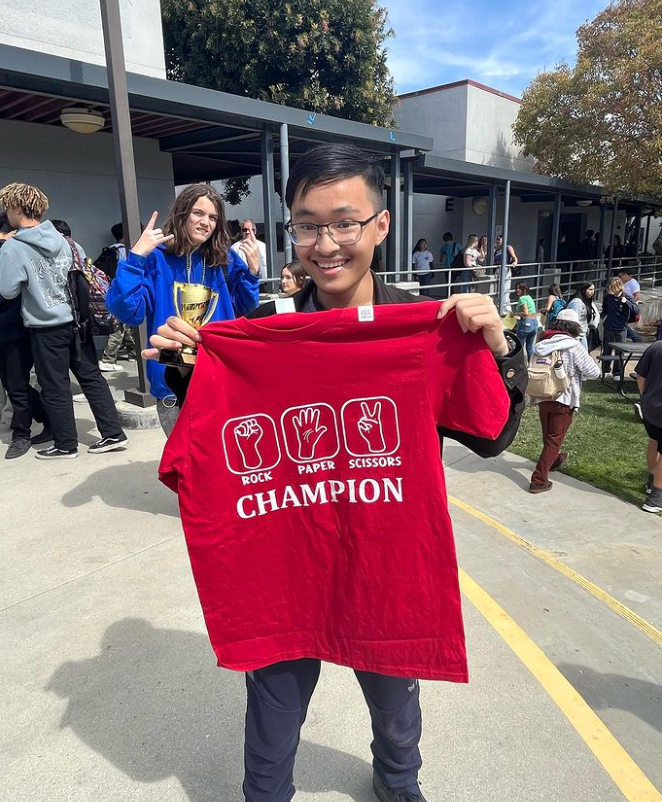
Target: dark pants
(425, 279)
(277, 705)
(555, 420)
(56, 352)
(612, 337)
(15, 366)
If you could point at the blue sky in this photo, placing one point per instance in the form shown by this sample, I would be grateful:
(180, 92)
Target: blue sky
(501, 43)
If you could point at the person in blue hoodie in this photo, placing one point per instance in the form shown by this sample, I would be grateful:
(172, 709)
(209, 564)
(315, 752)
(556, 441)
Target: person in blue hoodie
(192, 247)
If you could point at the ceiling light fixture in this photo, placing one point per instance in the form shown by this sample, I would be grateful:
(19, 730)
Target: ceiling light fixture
(81, 120)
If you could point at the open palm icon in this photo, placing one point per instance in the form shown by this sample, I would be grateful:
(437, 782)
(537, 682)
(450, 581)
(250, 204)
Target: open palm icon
(309, 432)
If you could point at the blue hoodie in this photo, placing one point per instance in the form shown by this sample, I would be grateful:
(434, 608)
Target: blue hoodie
(142, 289)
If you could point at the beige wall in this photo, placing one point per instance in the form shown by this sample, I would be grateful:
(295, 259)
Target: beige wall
(77, 172)
(72, 29)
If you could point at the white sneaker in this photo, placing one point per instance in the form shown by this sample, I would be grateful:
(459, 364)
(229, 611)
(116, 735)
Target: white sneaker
(108, 367)
(79, 398)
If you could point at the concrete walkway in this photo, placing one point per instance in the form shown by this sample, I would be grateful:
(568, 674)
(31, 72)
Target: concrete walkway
(110, 690)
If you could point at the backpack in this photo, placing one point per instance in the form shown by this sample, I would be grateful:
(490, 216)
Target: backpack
(101, 322)
(108, 260)
(558, 305)
(547, 377)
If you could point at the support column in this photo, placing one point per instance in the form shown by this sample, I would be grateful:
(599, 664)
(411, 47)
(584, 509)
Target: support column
(504, 297)
(648, 231)
(268, 184)
(126, 167)
(601, 233)
(408, 214)
(612, 231)
(493, 199)
(637, 230)
(556, 227)
(395, 208)
(284, 176)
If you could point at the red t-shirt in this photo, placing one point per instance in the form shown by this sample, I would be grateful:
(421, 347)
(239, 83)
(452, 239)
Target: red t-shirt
(307, 464)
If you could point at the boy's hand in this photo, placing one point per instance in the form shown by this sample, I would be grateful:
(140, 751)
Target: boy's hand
(172, 336)
(477, 312)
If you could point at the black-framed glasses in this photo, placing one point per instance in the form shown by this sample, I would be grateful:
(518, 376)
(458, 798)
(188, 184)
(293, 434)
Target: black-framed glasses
(344, 232)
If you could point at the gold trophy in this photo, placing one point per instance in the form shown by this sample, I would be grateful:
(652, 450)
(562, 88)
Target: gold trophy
(195, 304)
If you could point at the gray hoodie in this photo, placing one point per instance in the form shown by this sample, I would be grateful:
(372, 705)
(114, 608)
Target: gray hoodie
(34, 264)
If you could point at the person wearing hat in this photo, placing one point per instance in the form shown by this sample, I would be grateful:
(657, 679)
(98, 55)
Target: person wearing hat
(556, 416)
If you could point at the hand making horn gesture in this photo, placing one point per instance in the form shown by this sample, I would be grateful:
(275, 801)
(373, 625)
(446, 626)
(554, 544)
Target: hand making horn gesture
(150, 238)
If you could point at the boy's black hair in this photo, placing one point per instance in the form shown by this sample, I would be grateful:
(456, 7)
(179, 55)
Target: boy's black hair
(62, 226)
(5, 226)
(448, 237)
(326, 164)
(118, 232)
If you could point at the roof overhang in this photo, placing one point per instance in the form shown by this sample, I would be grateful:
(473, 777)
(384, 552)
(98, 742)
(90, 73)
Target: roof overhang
(210, 134)
(441, 175)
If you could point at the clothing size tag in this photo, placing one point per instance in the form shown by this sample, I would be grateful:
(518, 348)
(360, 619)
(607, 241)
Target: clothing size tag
(366, 314)
(285, 305)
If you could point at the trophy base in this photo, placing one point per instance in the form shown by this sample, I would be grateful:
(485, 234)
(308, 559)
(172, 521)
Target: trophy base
(178, 359)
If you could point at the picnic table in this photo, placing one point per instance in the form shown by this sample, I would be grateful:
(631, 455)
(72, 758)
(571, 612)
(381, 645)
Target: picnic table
(624, 353)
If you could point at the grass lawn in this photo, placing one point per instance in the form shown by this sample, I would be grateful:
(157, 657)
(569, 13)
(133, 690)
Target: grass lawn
(606, 443)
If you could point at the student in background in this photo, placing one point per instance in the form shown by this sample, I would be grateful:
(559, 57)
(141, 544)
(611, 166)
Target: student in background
(35, 265)
(617, 309)
(556, 416)
(649, 379)
(527, 326)
(292, 278)
(587, 313)
(16, 363)
(422, 260)
(554, 305)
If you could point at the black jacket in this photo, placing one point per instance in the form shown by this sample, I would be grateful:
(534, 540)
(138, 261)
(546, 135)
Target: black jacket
(11, 321)
(512, 367)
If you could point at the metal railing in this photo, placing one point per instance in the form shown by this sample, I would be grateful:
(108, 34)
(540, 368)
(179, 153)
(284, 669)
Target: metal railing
(570, 275)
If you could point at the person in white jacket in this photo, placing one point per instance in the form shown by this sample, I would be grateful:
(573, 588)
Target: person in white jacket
(556, 416)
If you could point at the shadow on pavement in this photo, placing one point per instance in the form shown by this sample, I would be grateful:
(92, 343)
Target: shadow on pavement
(84, 428)
(457, 458)
(153, 704)
(603, 691)
(516, 469)
(130, 486)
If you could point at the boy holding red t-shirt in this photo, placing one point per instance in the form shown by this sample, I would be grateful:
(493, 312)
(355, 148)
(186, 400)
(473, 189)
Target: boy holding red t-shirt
(374, 593)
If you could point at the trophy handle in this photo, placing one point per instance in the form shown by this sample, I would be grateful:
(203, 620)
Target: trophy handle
(213, 303)
(176, 297)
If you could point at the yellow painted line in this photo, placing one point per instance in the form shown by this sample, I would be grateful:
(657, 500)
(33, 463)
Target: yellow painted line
(620, 609)
(625, 773)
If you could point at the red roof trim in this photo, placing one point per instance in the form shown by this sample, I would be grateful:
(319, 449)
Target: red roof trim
(466, 82)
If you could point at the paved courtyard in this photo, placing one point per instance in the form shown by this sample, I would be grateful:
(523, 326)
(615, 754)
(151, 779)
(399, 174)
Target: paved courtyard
(110, 689)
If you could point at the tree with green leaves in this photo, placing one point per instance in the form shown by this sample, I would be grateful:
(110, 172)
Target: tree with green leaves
(326, 56)
(601, 121)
